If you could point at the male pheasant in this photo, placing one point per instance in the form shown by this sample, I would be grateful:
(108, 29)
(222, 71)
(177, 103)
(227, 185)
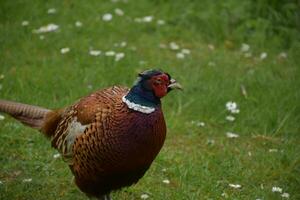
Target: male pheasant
(108, 138)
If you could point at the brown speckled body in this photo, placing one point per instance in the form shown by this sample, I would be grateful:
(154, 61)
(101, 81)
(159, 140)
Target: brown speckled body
(115, 148)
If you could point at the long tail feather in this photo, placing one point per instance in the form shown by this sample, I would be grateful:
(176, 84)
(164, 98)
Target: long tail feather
(32, 116)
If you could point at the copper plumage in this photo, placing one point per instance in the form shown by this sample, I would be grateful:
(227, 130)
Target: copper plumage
(107, 142)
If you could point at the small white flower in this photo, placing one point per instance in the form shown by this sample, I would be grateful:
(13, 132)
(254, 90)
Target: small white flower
(180, 55)
(230, 118)
(276, 189)
(78, 24)
(235, 186)
(164, 170)
(25, 23)
(42, 37)
(1, 182)
(173, 46)
(245, 47)
(160, 22)
(47, 28)
(231, 105)
(123, 44)
(110, 53)
(94, 52)
(144, 196)
(56, 155)
(232, 135)
(119, 56)
(90, 86)
(65, 50)
(235, 111)
(263, 55)
(147, 19)
(27, 180)
(2, 76)
(119, 12)
(107, 17)
(185, 51)
(166, 181)
(258, 199)
(285, 195)
(273, 150)
(51, 11)
(2, 117)
(224, 194)
(200, 124)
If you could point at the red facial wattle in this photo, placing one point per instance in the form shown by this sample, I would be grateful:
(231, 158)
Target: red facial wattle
(160, 85)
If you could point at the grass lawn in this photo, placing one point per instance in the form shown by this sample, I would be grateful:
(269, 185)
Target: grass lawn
(205, 46)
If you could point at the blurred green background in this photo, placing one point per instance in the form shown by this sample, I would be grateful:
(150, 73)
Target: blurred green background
(247, 52)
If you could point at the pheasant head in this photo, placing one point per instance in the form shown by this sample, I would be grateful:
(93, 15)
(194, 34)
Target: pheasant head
(149, 88)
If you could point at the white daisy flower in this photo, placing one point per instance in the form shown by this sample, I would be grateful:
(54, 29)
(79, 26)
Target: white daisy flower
(78, 24)
(160, 22)
(235, 186)
(230, 118)
(166, 181)
(65, 50)
(51, 11)
(173, 46)
(273, 150)
(2, 117)
(180, 55)
(56, 155)
(285, 195)
(245, 47)
(185, 51)
(25, 23)
(95, 52)
(119, 56)
(232, 135)
(110, 53)
(232, 107)
(276, 189)
(47, 28)
(27, 180)
(200, 124)
(263, 55)
(107, 17)
(144, 196)
(119, 12)
(147, 19)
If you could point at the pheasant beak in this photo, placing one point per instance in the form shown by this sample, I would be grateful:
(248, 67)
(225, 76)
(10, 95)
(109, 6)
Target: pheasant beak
(174, 85)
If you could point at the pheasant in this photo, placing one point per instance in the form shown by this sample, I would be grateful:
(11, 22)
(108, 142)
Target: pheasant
(109, 138)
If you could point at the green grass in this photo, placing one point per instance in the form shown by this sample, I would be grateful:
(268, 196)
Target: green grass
(200, 162)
